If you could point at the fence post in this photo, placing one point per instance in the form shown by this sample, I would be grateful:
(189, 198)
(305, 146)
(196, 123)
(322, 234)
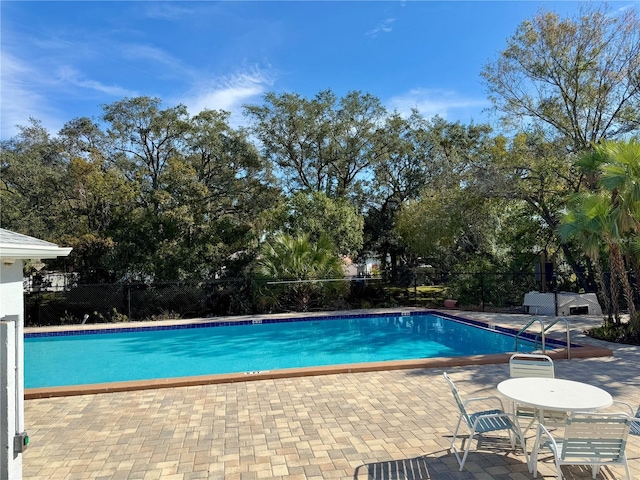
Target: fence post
(482, 291)
(129, 301)
(555, 293)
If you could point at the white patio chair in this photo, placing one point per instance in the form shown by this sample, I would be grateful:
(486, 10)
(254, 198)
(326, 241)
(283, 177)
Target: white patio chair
(482, 422)
(634, 429)
(594, 439)
(531, 365)
(534, 365)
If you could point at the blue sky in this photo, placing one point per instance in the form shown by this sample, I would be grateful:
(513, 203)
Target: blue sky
(62, 60)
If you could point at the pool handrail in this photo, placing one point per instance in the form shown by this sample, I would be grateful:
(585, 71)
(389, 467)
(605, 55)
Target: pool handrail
(566, 322)
(523, 329)
(543, 331)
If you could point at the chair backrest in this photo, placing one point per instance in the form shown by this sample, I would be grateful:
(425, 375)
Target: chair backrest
(531, 365)
(635, 424)
(456, 395)
(601, 437)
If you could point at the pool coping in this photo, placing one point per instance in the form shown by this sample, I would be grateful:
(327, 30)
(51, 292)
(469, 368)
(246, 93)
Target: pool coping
(581, 351)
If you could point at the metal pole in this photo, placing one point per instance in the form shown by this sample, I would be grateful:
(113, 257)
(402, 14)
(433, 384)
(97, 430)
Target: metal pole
(482, 290)
(554, 277)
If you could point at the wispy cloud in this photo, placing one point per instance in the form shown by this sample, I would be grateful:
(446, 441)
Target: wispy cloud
(167, 10)
(32, 89)
(383, 27)
(156, 55)
(229, 93)
(20, 100)
(431, 102)
(71, 76)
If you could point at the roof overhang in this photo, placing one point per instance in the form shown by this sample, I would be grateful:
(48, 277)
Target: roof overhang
(15, 246)
(24, 252)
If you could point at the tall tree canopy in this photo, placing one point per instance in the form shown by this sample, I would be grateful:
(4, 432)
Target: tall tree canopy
(150, 191)
(448, 221)
(565, 84)
(324, 144)
(155, 194)
(33, 183)
(574, 78)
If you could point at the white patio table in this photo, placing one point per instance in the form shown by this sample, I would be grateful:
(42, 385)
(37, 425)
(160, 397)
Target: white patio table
(554, 394)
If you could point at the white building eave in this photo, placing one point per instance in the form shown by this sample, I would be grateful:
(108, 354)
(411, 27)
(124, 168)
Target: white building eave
(15, 246)
(26, 252)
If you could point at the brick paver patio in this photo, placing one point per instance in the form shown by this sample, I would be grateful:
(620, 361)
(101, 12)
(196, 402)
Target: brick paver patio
(377, 425)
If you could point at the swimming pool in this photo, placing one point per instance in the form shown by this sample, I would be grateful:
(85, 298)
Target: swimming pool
(208, 348)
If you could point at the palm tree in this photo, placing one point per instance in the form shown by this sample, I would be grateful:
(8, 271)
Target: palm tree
(301, 273)
(610, 215)
(586, 221)
(621, 177)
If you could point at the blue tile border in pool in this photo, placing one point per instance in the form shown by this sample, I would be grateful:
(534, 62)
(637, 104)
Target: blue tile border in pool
(497, 328)
(67, 333)
(231, 323)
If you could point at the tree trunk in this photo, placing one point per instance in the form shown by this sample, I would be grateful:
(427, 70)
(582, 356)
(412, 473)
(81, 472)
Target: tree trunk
(604, 290)
(627, 291)
(614, 289)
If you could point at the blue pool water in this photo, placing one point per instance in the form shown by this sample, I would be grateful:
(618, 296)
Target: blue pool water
(76, 359)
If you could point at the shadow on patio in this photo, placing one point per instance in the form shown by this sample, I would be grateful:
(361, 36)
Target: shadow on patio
(439, 465)
(404, 469)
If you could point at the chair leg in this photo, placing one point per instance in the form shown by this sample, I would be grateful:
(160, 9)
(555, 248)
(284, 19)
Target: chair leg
(512, 439)
(455, 431)
(453, 442)
(626, 466)
(558, 466)
(530, 424)
(466, 450)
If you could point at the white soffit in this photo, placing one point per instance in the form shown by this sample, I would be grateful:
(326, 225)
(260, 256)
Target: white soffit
(22, 247)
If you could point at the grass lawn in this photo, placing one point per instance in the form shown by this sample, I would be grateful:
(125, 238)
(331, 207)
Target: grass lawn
(429, 296)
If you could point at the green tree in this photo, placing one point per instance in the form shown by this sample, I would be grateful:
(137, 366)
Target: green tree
(576, 79)
(611, 215)
(33, 184)
(535, 177)
(102, 203)
(239, 181)
(445, 163)
(450, 229)
(324, 144)
(146, 137)
(588, 221)
(621, 177)
(201, 186)
(159, 195)
(81, 137)
(403, 169)
(563, 83)
(302, 274)
(316, 215)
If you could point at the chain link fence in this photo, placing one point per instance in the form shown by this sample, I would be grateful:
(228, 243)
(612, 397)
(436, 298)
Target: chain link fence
(77, 303)
(136, 301)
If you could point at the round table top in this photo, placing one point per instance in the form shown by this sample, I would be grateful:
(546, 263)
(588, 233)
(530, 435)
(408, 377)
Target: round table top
(555, 394)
